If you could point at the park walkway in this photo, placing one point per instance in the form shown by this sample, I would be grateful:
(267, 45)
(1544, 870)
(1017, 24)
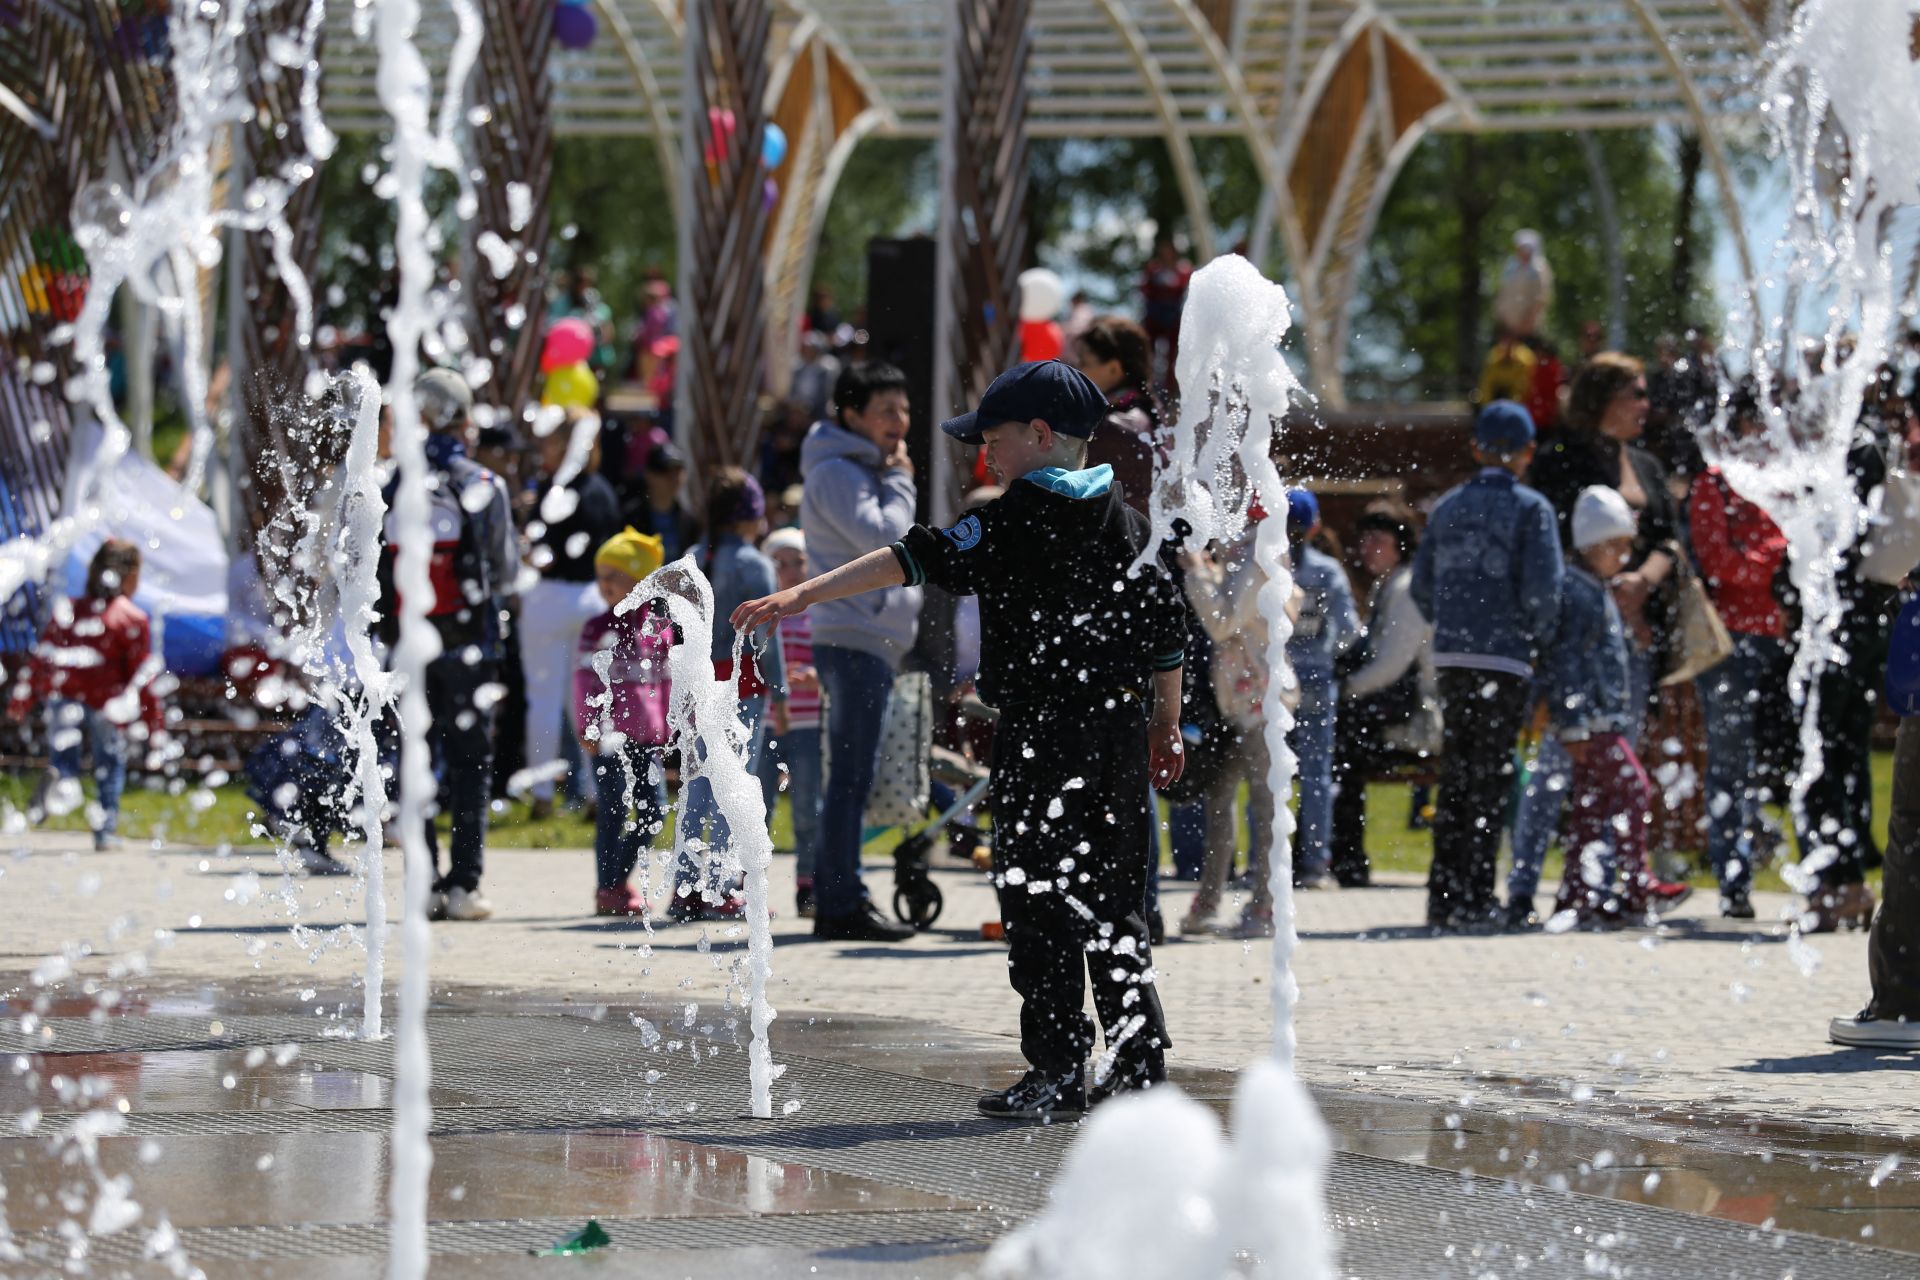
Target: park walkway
(1571, 1066)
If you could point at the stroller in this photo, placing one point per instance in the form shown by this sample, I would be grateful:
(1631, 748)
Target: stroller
(910, 764)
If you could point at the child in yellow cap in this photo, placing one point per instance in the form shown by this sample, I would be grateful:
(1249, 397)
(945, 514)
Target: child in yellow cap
(622, 717)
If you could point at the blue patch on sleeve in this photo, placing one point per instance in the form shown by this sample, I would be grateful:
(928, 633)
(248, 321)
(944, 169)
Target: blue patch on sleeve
(965, 536)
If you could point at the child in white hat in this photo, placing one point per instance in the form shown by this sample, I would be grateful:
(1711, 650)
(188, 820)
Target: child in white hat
(1587, 693)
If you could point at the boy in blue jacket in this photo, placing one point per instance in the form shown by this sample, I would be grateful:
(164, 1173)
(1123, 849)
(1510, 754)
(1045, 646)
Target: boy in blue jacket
(1487, 576)
(1587, 694)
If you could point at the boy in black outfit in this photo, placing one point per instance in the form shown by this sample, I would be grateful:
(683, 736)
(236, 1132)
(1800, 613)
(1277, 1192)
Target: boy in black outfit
(1083, 661)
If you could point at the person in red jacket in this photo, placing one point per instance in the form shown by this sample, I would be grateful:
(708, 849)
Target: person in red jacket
(91, 670)
(1739, 550)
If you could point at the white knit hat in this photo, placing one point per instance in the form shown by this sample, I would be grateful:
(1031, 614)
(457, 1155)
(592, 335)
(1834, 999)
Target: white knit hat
(1601, 513)
(785, 539)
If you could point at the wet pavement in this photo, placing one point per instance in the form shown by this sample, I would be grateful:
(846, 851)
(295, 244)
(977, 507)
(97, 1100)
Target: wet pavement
(1640, 1104)
(259, 1132)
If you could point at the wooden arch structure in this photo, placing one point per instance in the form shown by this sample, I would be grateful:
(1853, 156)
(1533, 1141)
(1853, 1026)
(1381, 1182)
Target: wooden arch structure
(1329, 97)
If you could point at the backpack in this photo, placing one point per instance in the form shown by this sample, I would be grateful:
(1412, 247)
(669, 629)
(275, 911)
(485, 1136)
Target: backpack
(457, 565)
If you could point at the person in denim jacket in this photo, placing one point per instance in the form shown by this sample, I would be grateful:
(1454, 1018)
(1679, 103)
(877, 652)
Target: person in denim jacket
(1588, 689)
(1328, 625)
(1487, 576)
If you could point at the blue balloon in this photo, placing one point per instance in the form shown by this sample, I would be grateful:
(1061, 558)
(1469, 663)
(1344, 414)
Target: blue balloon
(773, 146)
(573, 26)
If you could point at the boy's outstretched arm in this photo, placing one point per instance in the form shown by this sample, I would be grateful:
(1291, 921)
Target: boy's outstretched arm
(870, 572)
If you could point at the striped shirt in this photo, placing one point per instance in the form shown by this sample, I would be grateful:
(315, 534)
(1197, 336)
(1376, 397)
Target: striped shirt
(796, 643)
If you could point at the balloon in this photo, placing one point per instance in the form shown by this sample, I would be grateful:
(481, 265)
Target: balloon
(571, 386)
(1041, 340)
(770, 193)
(573, 26)
(720, 128)
(773, 146)
(1041, 294)
(569, 341)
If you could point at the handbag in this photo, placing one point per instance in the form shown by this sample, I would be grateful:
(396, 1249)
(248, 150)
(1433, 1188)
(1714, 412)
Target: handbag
(901, 784)
(1701, 640)
(1892, 544)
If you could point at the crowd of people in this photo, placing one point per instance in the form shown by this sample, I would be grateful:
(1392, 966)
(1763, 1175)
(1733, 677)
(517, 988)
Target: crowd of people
(1528, 641)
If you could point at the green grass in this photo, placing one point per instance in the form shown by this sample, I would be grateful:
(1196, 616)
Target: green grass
(221, 815)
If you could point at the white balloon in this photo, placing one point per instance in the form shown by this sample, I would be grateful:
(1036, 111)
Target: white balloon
(1041, 293)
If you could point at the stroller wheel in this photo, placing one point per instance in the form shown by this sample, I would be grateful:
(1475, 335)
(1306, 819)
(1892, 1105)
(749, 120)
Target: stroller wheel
(918, 905)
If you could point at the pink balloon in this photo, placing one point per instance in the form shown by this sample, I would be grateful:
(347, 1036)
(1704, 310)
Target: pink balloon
(569, 341)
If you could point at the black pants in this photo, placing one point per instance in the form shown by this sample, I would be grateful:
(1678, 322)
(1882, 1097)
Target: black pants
(1840, 801)
(462, 743)
(1071, 813)
(1893, 948)
(1359, 750)
(1485, 711)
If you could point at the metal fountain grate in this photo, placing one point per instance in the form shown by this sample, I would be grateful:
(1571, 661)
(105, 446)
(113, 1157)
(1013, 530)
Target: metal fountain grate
(545, 1073)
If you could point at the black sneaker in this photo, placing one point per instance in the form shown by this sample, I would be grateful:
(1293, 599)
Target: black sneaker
(803, 902)
(1521, 917)
(1156, 928)
(1736, 906)
(1132, 1076)
(1038, 1096)
(863, 925)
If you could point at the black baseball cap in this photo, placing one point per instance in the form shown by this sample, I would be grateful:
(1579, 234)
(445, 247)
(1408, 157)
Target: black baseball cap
(1051, 390)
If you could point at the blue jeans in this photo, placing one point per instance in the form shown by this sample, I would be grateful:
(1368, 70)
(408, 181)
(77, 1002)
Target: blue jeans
(1729, 694)
(799, 751)
(702, 816)
(857, 686)
(1312, 742)
(1537, 820)
(71, 725)
(635, 779)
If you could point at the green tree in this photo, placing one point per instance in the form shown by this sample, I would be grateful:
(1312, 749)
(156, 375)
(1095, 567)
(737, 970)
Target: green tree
(1420, 317)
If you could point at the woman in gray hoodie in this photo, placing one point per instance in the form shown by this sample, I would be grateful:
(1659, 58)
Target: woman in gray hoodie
(859, 497)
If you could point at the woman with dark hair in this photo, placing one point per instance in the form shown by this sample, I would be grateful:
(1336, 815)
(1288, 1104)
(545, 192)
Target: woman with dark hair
(1115, 355)
(1606, 416)
(1387, 692)
(736, 519)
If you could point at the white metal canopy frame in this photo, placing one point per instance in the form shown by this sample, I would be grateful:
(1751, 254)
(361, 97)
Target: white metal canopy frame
(1330, 97)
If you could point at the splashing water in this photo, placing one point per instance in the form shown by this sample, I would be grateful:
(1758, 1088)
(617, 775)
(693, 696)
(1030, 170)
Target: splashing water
(406, 91)
(1153, 1187)
(713, 743)
(1850, 169)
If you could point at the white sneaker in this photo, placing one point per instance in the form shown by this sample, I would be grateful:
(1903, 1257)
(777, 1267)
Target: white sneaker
(1865, 1031)
(467, 904)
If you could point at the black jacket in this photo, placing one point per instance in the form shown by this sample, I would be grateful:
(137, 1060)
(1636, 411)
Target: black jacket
(1059, 617)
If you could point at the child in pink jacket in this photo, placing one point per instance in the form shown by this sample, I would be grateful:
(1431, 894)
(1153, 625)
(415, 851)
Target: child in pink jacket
(620, 693)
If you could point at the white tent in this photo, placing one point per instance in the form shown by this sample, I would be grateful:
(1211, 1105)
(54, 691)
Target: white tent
(183, 571)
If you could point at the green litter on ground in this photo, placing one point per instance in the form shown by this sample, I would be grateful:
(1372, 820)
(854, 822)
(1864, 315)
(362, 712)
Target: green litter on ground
(591, 1236)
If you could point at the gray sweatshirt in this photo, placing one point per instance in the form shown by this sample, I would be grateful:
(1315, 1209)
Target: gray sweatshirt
(853, 505)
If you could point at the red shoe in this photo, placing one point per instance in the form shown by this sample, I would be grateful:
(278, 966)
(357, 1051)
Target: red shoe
(695, 907)
(621, 900)
(1657, 897)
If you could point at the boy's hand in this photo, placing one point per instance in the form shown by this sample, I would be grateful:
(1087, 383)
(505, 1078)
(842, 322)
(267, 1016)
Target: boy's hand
(1577, 750)
(1166, 752)
(781, 720)
(802, 678)
(767, 610)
